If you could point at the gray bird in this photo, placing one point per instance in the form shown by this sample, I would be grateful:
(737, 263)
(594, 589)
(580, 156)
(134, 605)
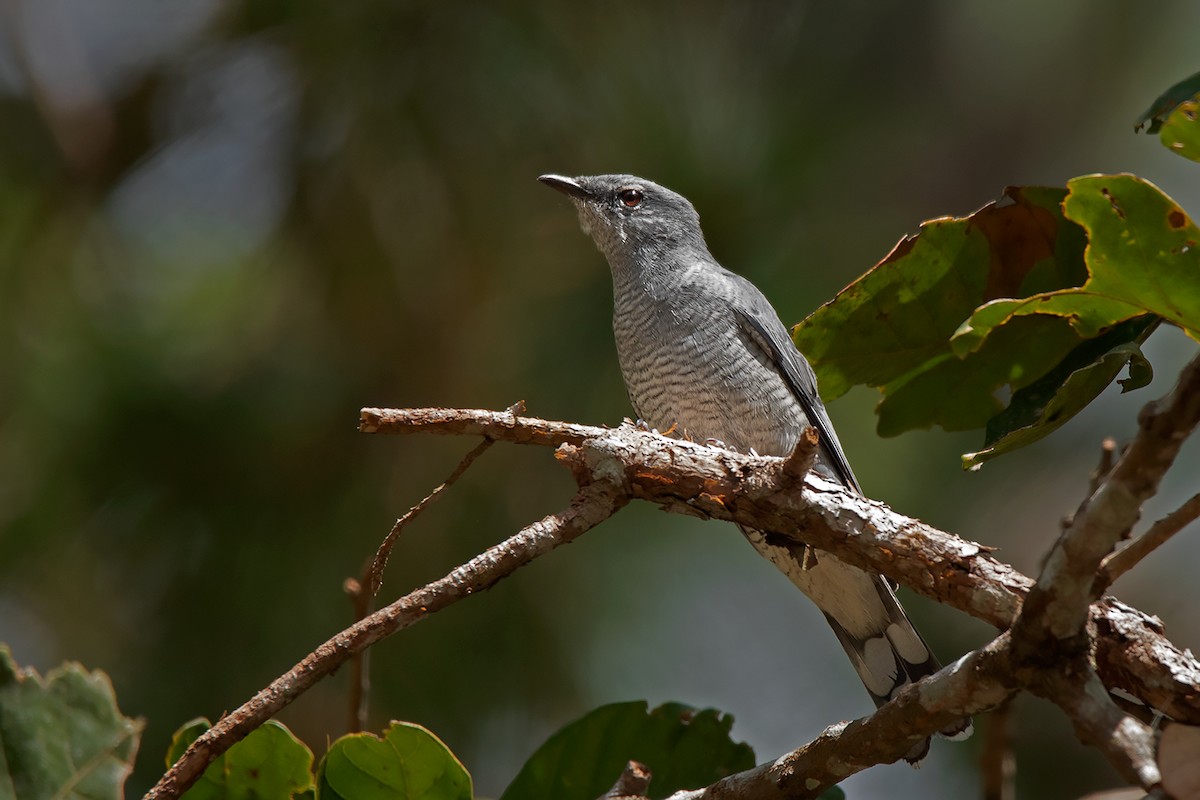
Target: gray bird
(701, 349)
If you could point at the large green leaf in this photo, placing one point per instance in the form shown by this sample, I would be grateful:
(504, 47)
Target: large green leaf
(62, 736)
(892, 327)
(683, 748)
(1041, 289)
(269, 763)
(408, 763)
(1143, 256)
(897, 319)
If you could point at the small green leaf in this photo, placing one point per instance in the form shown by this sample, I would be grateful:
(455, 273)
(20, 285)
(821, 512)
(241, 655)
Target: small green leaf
(1167, 102)
(183, 737)
(1181, 130)
(269, 763)
(683, 748)
(62, 736)
(408, 763)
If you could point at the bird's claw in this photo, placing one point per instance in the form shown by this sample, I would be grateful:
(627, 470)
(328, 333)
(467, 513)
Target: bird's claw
(641, 425)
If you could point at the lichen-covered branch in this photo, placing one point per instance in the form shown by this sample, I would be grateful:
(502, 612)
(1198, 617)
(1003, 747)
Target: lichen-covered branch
(613, 466)
(691, 478)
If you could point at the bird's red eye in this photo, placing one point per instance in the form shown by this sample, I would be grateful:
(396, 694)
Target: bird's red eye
(632, 198)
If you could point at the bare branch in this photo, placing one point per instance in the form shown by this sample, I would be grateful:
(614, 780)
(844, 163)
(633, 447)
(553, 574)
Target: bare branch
(503, 426)
(973, 684)
(981, 680)
(798, 464)
(632, 785)
(613, 465)
(1127, 742)
(1131, 555)
(592, 505)
(360, 672)
(1132, 652)
(1058, 605)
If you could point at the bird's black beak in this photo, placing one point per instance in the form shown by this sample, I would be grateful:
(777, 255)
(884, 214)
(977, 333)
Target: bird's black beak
(568, 186)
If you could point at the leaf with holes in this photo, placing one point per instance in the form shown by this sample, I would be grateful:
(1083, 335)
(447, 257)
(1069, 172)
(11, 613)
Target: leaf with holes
(1181, 130)
(1042, 289)
(1143, 256)
(1154, 117)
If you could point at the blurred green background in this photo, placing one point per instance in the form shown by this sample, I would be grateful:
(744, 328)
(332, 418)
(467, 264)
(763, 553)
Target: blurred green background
(226, 226)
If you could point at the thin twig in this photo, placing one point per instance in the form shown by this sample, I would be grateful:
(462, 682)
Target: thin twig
(632, 785)
(373, 576)
(592, 505)
(1129, 556)
(363, 592)
(500, 425)
(996, 762)
(1108, 450)
(360, 673)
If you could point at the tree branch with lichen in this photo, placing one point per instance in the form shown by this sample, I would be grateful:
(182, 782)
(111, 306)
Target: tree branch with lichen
(1112, 645)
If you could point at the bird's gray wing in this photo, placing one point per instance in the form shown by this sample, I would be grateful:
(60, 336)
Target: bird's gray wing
(760, 323)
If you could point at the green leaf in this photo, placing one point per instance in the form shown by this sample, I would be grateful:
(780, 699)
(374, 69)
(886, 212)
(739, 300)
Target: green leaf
(1168, 101)
(1142, 248)
(408, 763)
(269, 763)
(1143, 255)
(683, 748)
(62, 736)
(1181, 130)
(1031, 284)
(1046, 404)
(960, 394)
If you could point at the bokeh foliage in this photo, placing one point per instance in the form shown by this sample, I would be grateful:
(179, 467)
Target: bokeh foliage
(224, 227)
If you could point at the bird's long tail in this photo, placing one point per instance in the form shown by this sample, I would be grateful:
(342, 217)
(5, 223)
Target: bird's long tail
(883, 645)
(898, 656)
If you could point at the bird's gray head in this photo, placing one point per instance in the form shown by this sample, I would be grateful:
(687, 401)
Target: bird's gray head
(631, 217)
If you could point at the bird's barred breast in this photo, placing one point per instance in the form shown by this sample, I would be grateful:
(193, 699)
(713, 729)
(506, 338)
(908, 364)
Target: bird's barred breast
(705, 379)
